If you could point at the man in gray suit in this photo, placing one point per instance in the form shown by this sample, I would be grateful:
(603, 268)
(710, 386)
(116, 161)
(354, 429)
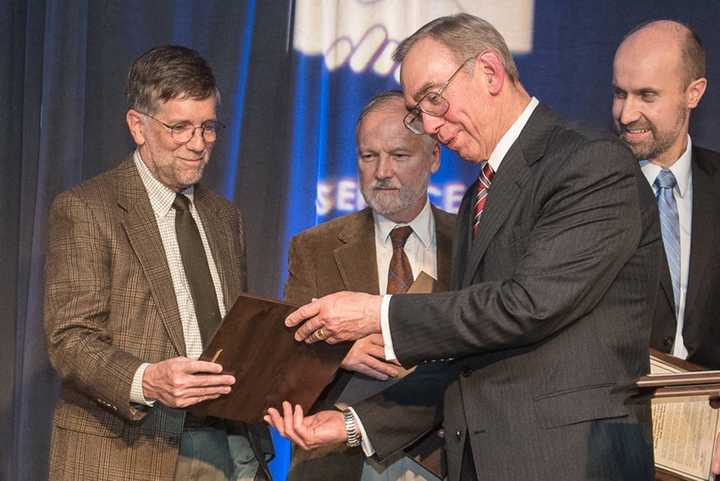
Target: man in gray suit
(554, 276)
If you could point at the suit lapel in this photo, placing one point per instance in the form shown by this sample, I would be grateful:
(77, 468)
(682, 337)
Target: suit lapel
(443, 236)
(463, 240)
(356, 258)
(141, 228)
(216, 233)
(506, 186)
(705, 210)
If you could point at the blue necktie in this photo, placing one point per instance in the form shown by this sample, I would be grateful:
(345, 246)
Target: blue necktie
(670, 227)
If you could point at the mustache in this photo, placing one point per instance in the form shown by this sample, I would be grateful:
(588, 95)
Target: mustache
(637, 124)
(384, 184)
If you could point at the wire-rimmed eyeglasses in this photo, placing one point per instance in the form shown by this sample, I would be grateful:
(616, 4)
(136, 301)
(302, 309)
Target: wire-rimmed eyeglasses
(182, 132)
(432, 103)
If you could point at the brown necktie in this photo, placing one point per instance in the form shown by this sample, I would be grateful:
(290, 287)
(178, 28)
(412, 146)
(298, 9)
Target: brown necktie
(400, 276)
(196, 268)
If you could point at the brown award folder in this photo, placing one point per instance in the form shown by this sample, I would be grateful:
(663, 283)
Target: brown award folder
(269, 365)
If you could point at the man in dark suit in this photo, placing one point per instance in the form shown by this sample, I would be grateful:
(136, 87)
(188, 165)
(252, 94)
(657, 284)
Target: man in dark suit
(554, 275)
(658, 79)
(141, 264)
(355, 253)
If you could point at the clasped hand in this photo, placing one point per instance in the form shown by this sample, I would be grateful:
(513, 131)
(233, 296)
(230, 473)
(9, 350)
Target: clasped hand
(343, 316)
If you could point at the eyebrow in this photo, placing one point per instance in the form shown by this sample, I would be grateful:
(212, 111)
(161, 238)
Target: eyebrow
(423, 90)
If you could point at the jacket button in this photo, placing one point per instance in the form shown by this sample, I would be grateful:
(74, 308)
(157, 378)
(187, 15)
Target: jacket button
(458, 435)
(440, 433)
(668, 342)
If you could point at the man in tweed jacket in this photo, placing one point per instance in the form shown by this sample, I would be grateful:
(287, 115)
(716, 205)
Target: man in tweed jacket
(119, 312)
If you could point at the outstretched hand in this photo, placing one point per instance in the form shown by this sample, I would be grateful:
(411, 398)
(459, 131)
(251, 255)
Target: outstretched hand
(322, 429)
(338, 317)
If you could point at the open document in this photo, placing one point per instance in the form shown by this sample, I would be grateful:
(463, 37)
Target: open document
(684, 424)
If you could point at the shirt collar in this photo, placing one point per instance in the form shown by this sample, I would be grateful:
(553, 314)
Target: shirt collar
(681, 169)
(422, 226)
(507, 140)
(161, 196)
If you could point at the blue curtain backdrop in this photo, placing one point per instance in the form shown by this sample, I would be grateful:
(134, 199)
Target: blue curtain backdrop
(293, 76)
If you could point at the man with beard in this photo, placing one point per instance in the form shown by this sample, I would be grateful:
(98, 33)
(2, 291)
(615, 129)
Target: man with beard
(658, 78)
(378, 250)
(554, 271)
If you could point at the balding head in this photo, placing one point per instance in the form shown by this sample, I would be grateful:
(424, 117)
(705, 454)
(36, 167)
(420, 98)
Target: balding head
(680, 44)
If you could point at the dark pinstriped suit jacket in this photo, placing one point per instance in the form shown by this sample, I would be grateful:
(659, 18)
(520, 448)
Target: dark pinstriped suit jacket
(701, 326)
(109, 306)
(334, 256)
(550, 319)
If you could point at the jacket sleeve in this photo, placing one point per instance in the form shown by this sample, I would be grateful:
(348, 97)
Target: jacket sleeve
(587, 228)
(301, 285)
(77, 308)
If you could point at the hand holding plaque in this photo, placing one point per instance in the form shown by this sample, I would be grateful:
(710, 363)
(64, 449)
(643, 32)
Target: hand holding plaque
(270, 367)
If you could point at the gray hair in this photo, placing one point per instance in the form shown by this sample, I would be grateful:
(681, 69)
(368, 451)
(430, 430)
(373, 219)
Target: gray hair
(384, 101)
(168, 72)
(466, 36)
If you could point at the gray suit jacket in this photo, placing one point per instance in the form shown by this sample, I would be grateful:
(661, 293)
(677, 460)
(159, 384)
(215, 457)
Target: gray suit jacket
(701, 332)
(109, 306)
(549, 322)
(334, 256)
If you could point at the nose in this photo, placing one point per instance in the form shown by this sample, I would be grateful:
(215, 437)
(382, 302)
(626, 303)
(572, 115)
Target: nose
(197, 141)
(431, 124)
(385, 168)
(627, 110)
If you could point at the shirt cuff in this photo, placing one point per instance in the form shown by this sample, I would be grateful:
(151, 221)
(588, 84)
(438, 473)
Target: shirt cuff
(136, 389)
(364, 441)
(385, 328)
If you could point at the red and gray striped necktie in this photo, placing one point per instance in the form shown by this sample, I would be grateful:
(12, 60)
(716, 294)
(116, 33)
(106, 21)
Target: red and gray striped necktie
(483, 185)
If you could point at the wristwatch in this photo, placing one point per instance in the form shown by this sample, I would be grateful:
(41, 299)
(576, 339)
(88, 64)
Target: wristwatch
(351, 429)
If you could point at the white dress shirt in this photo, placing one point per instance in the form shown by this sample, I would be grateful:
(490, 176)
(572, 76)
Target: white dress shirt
(683, 193)
(495, 159)
(419, 248)
(161, 200)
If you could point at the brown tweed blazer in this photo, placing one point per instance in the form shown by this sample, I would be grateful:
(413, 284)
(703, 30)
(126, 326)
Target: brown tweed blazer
(335, 256)
(109, 306)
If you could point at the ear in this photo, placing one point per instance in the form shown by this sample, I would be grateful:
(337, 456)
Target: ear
(136, 126)
(493, 70)
(436, 158)
(695, 91)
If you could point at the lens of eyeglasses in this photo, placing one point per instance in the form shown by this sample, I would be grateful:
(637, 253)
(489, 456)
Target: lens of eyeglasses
(182, 133)
(434, 104)
(413, 122)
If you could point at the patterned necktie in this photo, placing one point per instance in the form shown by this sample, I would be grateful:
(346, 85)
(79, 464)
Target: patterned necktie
(196, 268)
(400, 275)
(669, 227)
(483, 185)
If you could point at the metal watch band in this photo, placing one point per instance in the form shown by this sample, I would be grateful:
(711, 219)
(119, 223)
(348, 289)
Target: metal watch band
(351, 429)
